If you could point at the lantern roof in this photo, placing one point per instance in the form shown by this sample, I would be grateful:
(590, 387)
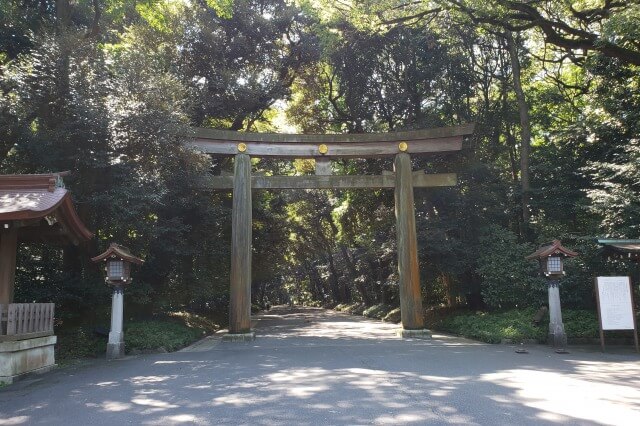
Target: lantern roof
(41, 208)
(553, 248)
(118, 251)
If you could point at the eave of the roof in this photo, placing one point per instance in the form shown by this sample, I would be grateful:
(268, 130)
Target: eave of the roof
(63, 209)
(620, 246)
(69, 217)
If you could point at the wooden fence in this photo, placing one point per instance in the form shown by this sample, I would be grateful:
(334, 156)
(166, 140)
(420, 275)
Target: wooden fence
(26, 320)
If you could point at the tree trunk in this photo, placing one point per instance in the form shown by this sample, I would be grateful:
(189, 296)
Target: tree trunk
(448, 289)
(338, 295)
(315, 284)
(351, 267)
(353, 275)
(63, 13)
(525, 127)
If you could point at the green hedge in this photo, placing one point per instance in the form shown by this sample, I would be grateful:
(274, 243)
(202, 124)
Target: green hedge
(354, 309)
(145, 335)
(377, 311)
(167, 332)
(516, 325)
(580, 323)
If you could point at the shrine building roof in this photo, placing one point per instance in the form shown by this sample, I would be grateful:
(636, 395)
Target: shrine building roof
(41, 208)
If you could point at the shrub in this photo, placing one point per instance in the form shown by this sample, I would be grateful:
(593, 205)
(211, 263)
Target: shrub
(354, 308)
(78, 342)
(515, 325)
(170, 335)
(171, 332)
(392, 316)
(377, 311)
(580, 323)
(508, 278)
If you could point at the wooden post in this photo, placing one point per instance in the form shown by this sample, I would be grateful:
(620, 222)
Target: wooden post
(240, 303)
(8, 250)
(599, 314)
(408, 269)
(635, 326)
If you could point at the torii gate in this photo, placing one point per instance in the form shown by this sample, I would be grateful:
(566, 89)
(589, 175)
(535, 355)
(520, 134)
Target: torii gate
(324, 148)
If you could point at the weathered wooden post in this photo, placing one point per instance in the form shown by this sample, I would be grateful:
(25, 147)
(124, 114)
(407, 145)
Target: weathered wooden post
(408, 269)
(550, 257)
(118, 261)
(240, 303)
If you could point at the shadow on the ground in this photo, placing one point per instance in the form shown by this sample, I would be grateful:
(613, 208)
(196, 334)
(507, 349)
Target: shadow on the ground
(333, 374)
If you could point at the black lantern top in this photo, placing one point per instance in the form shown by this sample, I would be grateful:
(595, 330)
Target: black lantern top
(118, 263)
(551, 258)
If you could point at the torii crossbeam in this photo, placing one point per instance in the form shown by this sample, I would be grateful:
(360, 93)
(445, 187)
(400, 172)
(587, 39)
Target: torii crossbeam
(324, 148)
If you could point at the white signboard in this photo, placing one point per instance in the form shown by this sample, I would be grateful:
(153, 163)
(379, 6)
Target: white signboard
(615, 303)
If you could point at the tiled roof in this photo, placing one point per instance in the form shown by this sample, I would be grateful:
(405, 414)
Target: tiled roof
(29, 203)
(32, 197)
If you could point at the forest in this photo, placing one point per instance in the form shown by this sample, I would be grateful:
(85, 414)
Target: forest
(110, 89)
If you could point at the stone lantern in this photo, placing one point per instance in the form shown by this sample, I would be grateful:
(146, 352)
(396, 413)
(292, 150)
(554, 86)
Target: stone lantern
(118, 261)
(551, 258)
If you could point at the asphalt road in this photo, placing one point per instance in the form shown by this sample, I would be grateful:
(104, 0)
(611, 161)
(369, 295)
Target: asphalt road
(311, 366)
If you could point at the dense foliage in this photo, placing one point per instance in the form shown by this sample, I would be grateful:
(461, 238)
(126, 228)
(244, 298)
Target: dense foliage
(108, 90)
(160, 333)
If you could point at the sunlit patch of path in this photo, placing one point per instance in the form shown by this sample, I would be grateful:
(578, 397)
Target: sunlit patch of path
(314, 366)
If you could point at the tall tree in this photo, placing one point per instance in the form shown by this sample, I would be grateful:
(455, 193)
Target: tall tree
(525, 126)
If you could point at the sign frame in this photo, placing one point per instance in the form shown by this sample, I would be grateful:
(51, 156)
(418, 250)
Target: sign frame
(635, 328)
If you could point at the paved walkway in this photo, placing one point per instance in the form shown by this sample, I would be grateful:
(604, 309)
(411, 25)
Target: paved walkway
(311, 366)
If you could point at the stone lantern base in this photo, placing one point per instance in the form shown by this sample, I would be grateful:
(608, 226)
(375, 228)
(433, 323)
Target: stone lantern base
(413, 334)
(239, 337)
(557, 337)
(115, 350)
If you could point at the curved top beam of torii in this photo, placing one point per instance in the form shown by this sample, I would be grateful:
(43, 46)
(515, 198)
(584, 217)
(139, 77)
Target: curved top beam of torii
(225, 142)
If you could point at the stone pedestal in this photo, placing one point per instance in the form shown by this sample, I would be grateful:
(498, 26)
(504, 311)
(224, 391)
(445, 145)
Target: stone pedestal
(115, 350)
(115, 347)
(414, 334)
(239, 337)
(557, 336)
(19, 358)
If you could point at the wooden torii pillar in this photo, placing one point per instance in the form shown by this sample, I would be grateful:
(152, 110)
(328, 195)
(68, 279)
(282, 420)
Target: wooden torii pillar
(240, 297)
(323, 148)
